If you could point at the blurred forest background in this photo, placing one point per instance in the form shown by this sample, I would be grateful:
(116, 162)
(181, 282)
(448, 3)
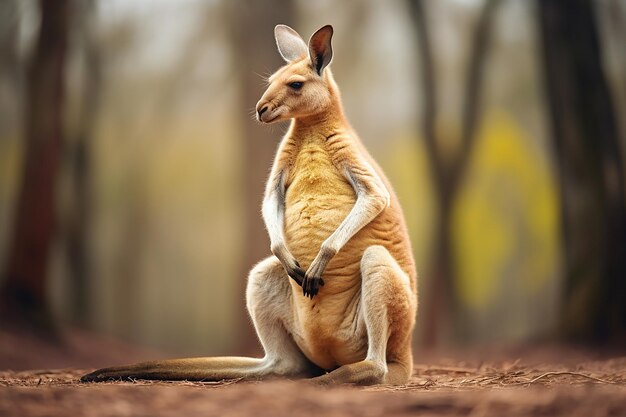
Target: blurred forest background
(131, 170)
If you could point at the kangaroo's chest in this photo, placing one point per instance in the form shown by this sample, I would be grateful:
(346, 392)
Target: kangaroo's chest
(318, 198)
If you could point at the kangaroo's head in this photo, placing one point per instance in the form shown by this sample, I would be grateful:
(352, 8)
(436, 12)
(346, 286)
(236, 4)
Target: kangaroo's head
(298, 89)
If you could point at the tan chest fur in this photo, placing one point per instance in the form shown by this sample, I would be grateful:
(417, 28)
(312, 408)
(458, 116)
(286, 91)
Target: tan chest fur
(318, 199)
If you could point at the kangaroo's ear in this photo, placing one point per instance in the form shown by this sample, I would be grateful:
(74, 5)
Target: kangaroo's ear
(290, 44)
(320, 49)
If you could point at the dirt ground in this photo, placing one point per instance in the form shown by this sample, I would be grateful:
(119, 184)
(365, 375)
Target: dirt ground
(522, 381)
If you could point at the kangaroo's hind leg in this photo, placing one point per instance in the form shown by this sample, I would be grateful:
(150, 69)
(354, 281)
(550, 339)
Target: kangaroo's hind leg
(388, 307)
(269, 304)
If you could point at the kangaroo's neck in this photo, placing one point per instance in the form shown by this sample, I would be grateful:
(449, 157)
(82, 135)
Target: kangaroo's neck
(327, 122)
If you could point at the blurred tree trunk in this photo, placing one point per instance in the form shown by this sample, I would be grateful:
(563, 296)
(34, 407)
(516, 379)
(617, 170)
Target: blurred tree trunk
(80, 166)
(11, 77)
(23, 295)
(256, 54)
(586, 142)
(448, 170)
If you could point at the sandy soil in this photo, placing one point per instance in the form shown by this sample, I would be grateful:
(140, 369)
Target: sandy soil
(549, 381)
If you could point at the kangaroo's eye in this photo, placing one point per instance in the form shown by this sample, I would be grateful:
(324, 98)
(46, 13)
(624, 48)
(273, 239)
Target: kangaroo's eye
(296, 85)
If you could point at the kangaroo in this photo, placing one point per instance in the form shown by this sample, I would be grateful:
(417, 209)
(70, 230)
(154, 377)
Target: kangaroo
(337, 300)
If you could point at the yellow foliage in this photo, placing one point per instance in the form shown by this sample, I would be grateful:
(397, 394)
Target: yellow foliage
(505, 219)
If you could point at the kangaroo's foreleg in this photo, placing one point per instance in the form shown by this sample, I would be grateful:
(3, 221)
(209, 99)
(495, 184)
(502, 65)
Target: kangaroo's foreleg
(269, 305)
(273, 211)
(388, 310)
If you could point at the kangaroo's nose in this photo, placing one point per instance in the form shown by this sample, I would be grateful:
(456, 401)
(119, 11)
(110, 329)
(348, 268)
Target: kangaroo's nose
(262, 110)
